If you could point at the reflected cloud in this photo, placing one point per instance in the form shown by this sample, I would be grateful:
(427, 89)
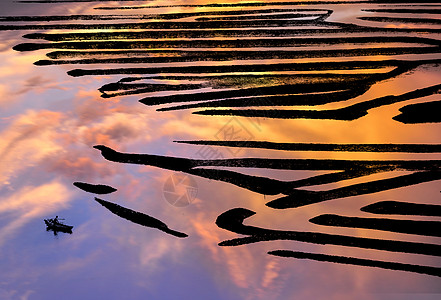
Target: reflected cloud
(76, 263)
(27, 141)
(77, 166)
(254, 278)
(32, 202)
(235, 263)
(39, 84)
(153, 252)
(116, 128)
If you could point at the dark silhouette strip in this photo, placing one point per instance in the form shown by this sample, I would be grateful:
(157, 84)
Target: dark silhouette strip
(320, 17)
(230, 79)
(403, 20)
(262, 91)
(166, 16)
(73, 17)
(139, 218)
(280, 100)
(232, 220)
(243, 4)
(358, 83)
(307, 66)
(261, 185)
(330, 178)
(427, 228)
(348, 113)
(148, 88)
(94, 188)
(271, 96)
(268, 186)
(172, 34)
(172, 25)
(427, 270)
(197, 34)
(405, 10)
(333, 90)
(113, 87)
(257, 184)
(329, 28)
(295, 197)
(248, 4)
(184, 164)
(406, 148)
(428, 112)
(333, 27)
(300, 198)
(403, 208)
(243, 43)
(250, 55)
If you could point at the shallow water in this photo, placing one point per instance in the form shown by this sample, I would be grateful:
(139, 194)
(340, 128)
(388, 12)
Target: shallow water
(50, 121)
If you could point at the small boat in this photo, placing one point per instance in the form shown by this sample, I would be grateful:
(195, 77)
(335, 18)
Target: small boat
(57, 226)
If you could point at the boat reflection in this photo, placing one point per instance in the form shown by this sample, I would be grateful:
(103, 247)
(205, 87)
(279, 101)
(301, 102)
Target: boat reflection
(56, 226)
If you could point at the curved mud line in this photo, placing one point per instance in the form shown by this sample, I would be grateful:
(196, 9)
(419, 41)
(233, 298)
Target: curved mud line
(232, 220)
(348, 113)
(248, 4)
(139, 218)
(299, 198)
(313, 66)
(427, 112)
(427, 270)
(95, 188)
(164, 16)
(295, 197)
(426, 228)
(403, 208)
(406, 148)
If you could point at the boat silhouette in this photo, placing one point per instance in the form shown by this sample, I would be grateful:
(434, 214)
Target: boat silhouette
(56, 226)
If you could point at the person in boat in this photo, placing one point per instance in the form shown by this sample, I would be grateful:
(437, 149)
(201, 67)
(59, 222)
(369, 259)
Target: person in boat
(55, 220)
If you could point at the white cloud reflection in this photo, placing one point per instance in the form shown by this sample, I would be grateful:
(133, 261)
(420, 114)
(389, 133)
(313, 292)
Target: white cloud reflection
(27, 141)
(32, 202)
